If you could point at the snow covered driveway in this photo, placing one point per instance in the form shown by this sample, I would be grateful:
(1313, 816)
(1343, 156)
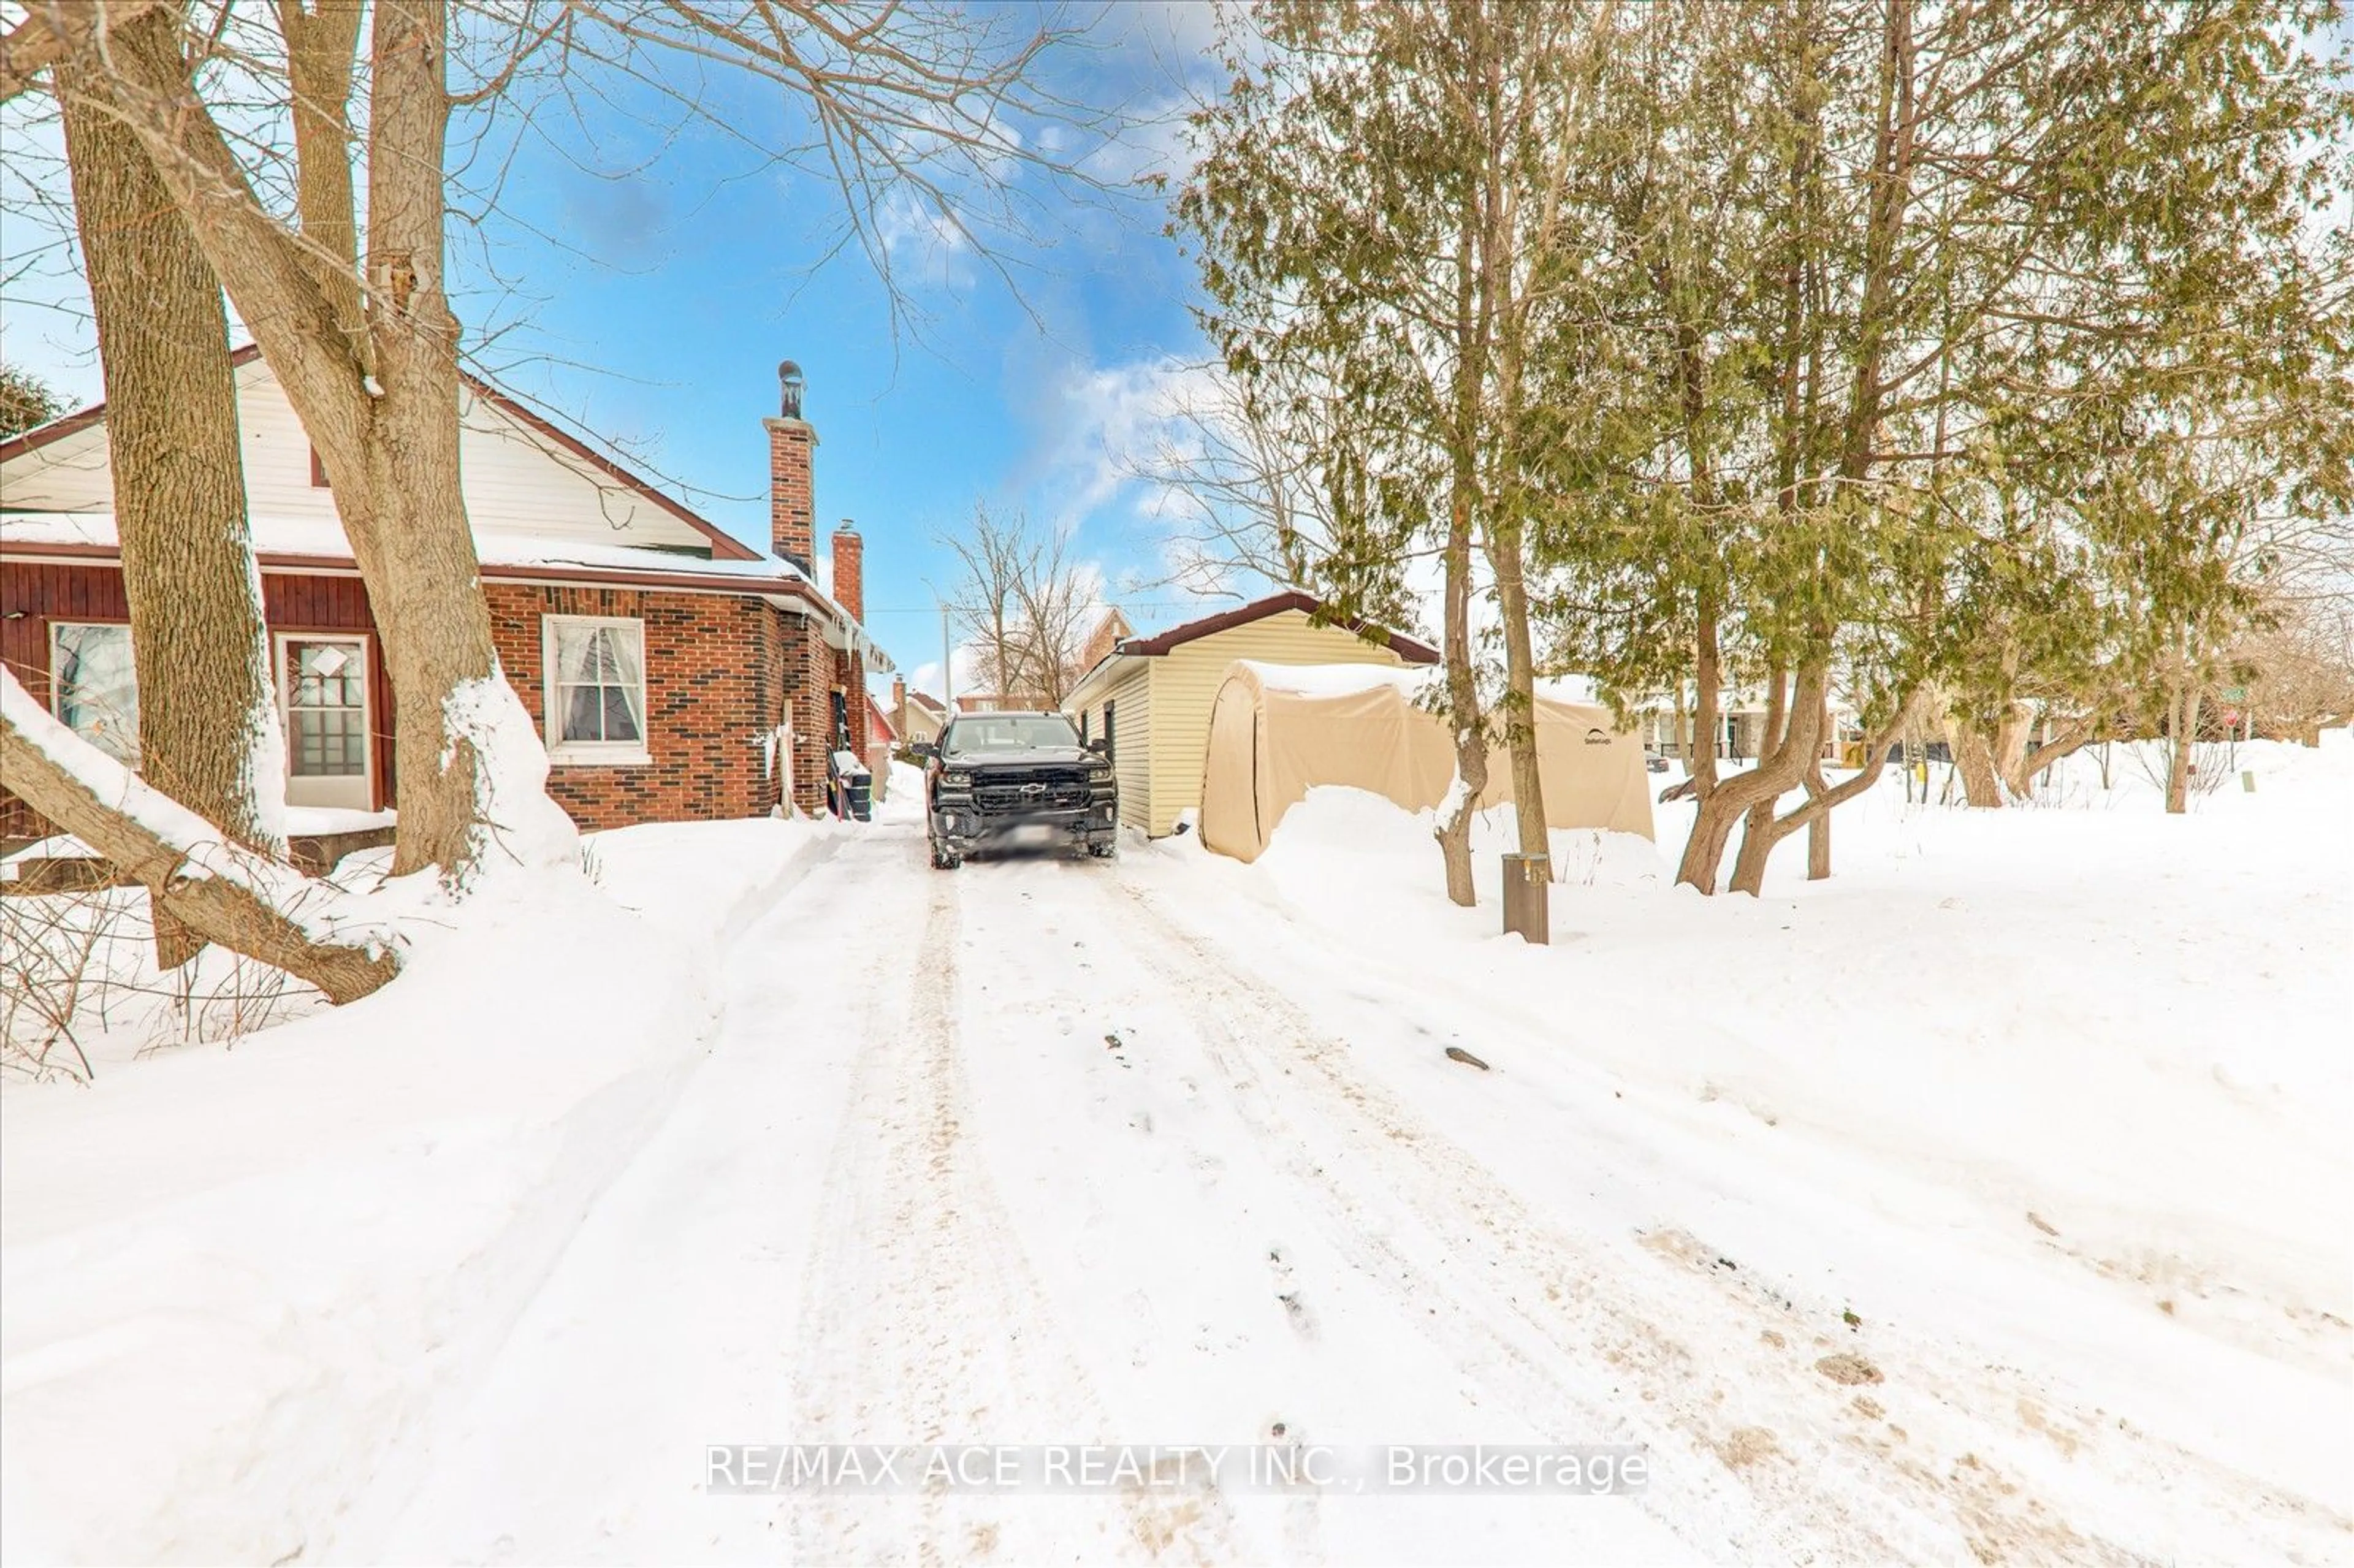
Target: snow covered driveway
(977, 1165)
(1055, 1152)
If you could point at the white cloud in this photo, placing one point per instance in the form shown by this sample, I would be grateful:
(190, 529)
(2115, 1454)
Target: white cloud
(1151, 142)
(922, 245)
(1114, 424)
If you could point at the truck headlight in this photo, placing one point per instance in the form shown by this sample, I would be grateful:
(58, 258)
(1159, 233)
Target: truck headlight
(1099, 771)
(956, 778)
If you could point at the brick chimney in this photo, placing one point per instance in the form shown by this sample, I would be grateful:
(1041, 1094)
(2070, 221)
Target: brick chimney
(898, 695)
(848, 571)
(792, 495)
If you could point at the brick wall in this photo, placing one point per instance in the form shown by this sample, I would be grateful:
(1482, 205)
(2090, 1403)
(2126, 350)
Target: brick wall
(711, 696)
(793, 495)
(850, 571)
(811, 665)
(721, 673)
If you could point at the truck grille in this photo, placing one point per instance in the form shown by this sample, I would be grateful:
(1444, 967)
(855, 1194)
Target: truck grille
(1030, 789)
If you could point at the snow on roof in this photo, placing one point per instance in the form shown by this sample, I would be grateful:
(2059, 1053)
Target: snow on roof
(1335, 680)
(325, 540)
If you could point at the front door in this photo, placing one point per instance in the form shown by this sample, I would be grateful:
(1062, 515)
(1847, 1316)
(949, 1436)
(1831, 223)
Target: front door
(324, 684)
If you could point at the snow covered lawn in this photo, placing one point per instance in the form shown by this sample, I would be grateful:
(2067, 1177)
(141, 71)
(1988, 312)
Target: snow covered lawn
(2053, 1100)
(239, 1282)
(1991, 1199)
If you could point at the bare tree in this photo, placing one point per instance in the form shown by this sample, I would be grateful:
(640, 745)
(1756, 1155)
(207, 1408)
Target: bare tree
(2299, 669)
(1023, 604)
(1242, 494)
(380, 404)
(918, 116)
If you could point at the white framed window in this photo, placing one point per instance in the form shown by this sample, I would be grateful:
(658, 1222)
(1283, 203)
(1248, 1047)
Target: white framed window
(322, 700)
(94, 686)
(596, 697)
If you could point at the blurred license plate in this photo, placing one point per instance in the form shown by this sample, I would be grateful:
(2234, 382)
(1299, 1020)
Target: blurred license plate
(1032, 834)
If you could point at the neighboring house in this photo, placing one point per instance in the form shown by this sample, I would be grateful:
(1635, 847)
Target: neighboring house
(1149, 698)
(916, 719)
(674, 671)
(1109, 630)
(1109, 633)
(1740, 729)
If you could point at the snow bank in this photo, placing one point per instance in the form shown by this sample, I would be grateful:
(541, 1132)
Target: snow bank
(904, 800)
(303, 821)
(2115, 1016)
(2097, 1045)
(518, 822)
(241, 1282)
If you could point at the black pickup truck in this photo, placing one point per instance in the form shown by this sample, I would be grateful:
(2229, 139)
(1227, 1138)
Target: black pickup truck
(1006, 778)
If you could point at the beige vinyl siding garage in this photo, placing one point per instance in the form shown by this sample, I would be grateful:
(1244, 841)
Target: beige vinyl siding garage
(1131, 700)
(1160, 690)
(1185, 683)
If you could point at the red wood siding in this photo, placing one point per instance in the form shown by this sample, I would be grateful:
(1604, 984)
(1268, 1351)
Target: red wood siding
(292, 603)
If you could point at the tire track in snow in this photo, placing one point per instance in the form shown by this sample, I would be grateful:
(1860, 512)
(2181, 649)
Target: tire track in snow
(922, 1322)
(1973, 1433)
(1881, 1492)
(1545, 1322)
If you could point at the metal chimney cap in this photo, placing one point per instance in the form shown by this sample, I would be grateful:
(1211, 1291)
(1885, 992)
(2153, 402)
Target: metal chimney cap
(789, 382)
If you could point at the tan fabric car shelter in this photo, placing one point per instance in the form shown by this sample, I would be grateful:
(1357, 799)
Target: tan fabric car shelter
(1277, 731)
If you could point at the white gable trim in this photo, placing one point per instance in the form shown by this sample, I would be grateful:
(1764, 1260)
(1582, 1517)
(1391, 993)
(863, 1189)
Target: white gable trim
(520, 479)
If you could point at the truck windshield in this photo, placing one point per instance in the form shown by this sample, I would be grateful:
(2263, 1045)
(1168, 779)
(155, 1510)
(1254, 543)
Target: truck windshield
(1008, 731)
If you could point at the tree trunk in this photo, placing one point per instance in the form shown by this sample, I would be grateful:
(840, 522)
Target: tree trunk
(1975, 761)
(322, 43)
(209, 727)
(1790, 763)
(1520, 689)
(1705, 848)
(1463, 716)
(1821, 800)
(1818, 832)
(222, 892)
(2009, 739)
(1682, 733)
(1454, 826)
(1734, 798)
(388, 436)
(1769, 741)
(51, 32)
(2032, 765)
(436, 623)
(2183, 712)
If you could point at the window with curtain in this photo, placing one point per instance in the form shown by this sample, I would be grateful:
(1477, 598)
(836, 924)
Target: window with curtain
(93, 686)
(596, 688)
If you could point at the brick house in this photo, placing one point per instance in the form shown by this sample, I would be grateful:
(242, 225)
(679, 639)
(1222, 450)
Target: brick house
(675, 672)
(916, 719)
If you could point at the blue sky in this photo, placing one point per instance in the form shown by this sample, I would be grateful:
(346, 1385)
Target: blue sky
(643, 275)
